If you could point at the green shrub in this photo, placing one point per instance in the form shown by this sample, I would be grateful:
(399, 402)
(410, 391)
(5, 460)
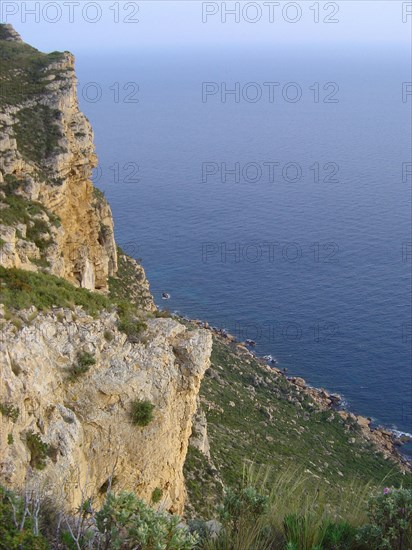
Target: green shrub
(128, 323)
(390, 516)
(38, 450)
(10, 411)
(156, 495)
(84, 361)
(10, 439)
(141, 412)
(131, 327)
(17, 529)
(243, 518)
(245, 503)
(127, 522)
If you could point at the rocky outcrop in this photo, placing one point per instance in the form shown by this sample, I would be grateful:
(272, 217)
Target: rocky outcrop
(84, 420)
(8, 33)
(47, 156)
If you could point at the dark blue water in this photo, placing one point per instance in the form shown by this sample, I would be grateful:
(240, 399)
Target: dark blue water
(314, 262)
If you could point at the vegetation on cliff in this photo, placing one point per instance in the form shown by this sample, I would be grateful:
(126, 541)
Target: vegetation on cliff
(25, 74)
(129, 286)
(33, 222)
(21, 289)
(24, 71)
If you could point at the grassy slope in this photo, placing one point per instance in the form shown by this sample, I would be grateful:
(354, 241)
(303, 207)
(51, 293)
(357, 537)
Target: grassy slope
(238, 409)
(21, 289)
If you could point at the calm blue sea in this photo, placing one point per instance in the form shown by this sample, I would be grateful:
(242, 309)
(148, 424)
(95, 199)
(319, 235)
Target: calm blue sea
(309, 252)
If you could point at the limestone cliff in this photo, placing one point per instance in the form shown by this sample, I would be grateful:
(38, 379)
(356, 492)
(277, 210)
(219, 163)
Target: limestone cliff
(69, 380)
(85, 421)
(47, 156)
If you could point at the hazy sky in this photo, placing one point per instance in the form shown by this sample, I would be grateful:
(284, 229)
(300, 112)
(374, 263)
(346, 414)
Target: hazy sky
(80, 25)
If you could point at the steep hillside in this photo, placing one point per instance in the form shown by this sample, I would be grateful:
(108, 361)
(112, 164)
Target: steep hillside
(255, 413)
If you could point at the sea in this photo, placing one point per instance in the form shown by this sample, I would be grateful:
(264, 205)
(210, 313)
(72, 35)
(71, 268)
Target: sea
(268, 192)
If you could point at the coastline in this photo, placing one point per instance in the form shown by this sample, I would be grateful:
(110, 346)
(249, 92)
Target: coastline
(387, 440)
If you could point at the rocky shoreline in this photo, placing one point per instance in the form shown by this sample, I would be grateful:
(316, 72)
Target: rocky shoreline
(388, 441)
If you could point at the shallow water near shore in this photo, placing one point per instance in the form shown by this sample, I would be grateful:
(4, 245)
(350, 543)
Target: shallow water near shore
(317, 269)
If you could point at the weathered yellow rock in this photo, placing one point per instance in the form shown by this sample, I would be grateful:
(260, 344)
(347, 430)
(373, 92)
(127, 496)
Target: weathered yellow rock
(86, 422)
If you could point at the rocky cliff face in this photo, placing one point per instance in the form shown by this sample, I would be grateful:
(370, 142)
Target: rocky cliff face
(84, 420)
(68, 380)
(47, 156)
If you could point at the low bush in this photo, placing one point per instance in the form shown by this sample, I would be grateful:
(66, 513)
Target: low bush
(10, 411)
(339, 536)
(245, 504)
(128, 323)
(244, 522)
(38, 450)
(141, 412)
(84, 361)
(156, 495)
(132, 327)
(127, 522)
(108, 335)
(390, 521)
